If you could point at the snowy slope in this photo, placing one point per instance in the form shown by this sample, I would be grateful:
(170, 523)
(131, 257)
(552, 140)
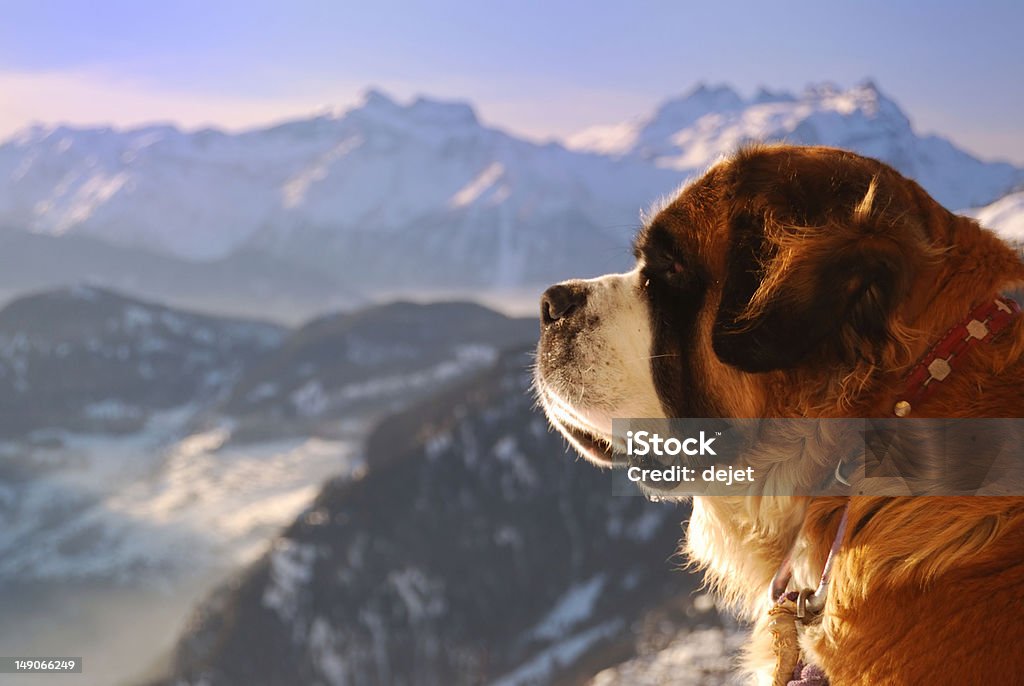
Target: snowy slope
(137, 438)
(692, 657)
(1005, 216)
(91, 360)
(145, 451)
(471, 552)
(421, 178)
(690, 132)
(352, 365)
(393, 196)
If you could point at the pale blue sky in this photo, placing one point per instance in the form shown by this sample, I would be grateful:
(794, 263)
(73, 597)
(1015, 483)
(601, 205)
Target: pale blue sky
(539, 68)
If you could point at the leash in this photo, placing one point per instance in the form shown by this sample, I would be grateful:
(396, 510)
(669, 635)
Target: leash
(790, 609)
(812, 601)
(803, 607)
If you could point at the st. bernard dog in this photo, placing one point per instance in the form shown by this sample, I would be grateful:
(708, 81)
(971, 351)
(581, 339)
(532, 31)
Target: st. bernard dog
(811, 282)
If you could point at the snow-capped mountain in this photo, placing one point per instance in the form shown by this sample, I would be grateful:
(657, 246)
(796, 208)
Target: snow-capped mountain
(87, 359)
(146, 450)
(136, 416)
(390, 196)
(350, 366)
(399, 194)
(690, 132)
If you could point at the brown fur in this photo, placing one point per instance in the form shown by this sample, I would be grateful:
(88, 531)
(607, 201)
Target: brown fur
(925, 589)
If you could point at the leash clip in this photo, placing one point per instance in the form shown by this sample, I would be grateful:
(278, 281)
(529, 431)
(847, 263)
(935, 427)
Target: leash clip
(810, 602)
(801, 603)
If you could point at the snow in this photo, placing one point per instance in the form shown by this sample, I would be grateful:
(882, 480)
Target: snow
(539, 669)
(576, 605)
(248, 490)
(310, 399)
(1005, 216)
(381, 167)
(136, 317)
(647, 525)
(423, 597)
(176, 506)
(467, 359)
(203, 441)
(262, 392)
(507, 450)
(437, 444)
(295, 189)
(322, 642)
(82, 292)
(606, 139)
(291, 568)
(147, 522)
(690, 133)
(111, 409)
(478, 186)
(700, 657)
(415, 176)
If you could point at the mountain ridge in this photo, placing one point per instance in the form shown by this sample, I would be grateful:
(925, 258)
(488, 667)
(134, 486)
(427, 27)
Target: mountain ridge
(690, 131)
(420, 195)
(370, 585)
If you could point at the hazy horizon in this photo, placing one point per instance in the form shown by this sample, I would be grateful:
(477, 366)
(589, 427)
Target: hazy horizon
(541, 71)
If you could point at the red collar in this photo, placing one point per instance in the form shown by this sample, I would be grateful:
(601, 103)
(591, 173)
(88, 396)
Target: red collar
(982, 324)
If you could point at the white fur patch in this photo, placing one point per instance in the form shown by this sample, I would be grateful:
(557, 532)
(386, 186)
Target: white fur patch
(609, 375)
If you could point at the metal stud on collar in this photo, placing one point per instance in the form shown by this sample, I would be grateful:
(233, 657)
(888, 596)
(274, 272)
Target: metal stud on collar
(977, 329)
(939, 369)
(981, 325)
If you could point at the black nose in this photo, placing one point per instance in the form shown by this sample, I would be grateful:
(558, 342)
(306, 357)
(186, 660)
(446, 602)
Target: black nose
(560, 301)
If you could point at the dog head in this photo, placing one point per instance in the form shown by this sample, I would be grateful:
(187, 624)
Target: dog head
(787, 281)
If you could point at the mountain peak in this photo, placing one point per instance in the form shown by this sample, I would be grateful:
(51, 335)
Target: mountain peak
(765, 95)
(869, 89)
(864, 97)
(422, 111)
(716, 95)
(686, 109)
(866, 90)
(689, 132)
(453, 112)
(374, 98)
(867, 84)
(823, 89)
(397, 171)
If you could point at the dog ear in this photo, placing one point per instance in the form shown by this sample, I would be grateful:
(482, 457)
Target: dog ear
(810, 295)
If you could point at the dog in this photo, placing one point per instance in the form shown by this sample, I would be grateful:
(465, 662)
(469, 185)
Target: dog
(792, 281)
